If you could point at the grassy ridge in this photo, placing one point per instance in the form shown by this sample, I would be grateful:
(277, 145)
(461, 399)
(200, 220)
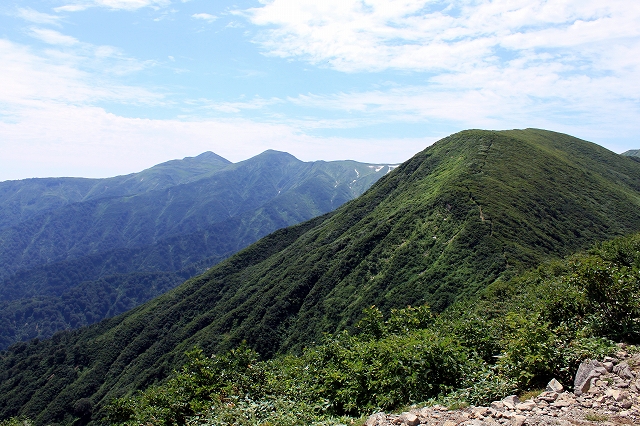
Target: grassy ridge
(542, 324)
(473, 208)
(167, 223)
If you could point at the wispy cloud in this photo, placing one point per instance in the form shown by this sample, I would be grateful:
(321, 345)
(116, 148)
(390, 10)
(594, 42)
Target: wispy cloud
(34, 80)
(53, 37)
(354, 35)
(31, 15)
(204, 16)
(501, 63)
(63, 140)
(238, 106)
(112, 4)
(51, 123)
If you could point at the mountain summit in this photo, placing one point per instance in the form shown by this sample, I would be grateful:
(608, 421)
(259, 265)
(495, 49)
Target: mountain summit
(74, 251)
(474, 207)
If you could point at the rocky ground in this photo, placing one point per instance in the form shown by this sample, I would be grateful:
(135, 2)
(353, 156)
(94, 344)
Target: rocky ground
(605, 393)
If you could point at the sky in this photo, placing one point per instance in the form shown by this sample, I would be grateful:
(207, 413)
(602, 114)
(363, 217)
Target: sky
(97, 88)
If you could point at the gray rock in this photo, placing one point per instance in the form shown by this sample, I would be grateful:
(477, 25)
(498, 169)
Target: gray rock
(497, 405)
(623, 371)
(409, 419)
(519, 421)
(608, 366)
(474, 423)
(548, 396)
(526, 406)
(376, 419)
(563, 402)
(588, 370)
(511, 401)
(554, 386)
(616, 394)
(626, 404)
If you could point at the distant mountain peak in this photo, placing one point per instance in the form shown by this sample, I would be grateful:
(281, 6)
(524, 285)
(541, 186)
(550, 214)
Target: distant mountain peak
(632, 153)
(208, 156)
(275, 153)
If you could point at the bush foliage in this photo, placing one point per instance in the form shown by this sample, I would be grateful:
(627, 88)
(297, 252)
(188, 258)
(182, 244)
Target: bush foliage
(512, 337)
(450, 228)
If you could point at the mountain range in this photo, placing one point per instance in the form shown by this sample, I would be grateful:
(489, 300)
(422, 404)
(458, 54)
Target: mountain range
(74, 251)
(475, 208)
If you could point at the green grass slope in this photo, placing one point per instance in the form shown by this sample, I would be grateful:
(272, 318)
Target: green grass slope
(23, 199)
(301, 190)
(475, 206)
(632, 153)
(206, 215)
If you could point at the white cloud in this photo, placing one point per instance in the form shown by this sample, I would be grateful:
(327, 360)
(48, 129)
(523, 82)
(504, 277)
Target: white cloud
(356, 35)
(33, 80)
(562, 64)
(51, 125)
(113, 4)
(53, 37)
(204, 16)
(36, 17)
(64, 140)
(235, 107)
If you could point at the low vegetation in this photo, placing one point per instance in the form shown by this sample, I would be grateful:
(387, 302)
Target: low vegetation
(450, 229)
(514, 337)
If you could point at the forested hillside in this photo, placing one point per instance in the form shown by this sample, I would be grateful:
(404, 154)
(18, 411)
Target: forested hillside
(475, 207)
(69, 245)
(23, 199)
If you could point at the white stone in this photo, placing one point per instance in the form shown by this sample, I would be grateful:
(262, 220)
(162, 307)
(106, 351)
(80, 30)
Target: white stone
(511, 401)
(615, 394)
(554, 386)
(526, 406)
(519, 420)
(410, 419)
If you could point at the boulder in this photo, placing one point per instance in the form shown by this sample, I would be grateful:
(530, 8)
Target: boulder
(376, 419)
(497, 405)
(564, 400)
(511, 401)
(519, 421)
(623, 371)
(548, 396)
(616, 394)
(409, 419)
(554, 386)
(526, 406)
(626, 404)
(588, 370)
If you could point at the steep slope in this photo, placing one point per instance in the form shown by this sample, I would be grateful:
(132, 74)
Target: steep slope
(473, 207)
(178, 231)
(23, 199)
(139, 220)
(632, 153)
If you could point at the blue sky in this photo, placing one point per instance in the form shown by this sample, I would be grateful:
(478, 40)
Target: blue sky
(103, 87)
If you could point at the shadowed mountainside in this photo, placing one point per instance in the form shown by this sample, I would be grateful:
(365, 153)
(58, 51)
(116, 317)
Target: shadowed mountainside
(65, 239)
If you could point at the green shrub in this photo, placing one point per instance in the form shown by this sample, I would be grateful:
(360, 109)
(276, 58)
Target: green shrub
(357, 375)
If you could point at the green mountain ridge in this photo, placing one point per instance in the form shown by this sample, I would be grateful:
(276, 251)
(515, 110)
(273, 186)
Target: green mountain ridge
(174, 221)
(23, 199)
(138, 220)
(474, 207)
(632, 153)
